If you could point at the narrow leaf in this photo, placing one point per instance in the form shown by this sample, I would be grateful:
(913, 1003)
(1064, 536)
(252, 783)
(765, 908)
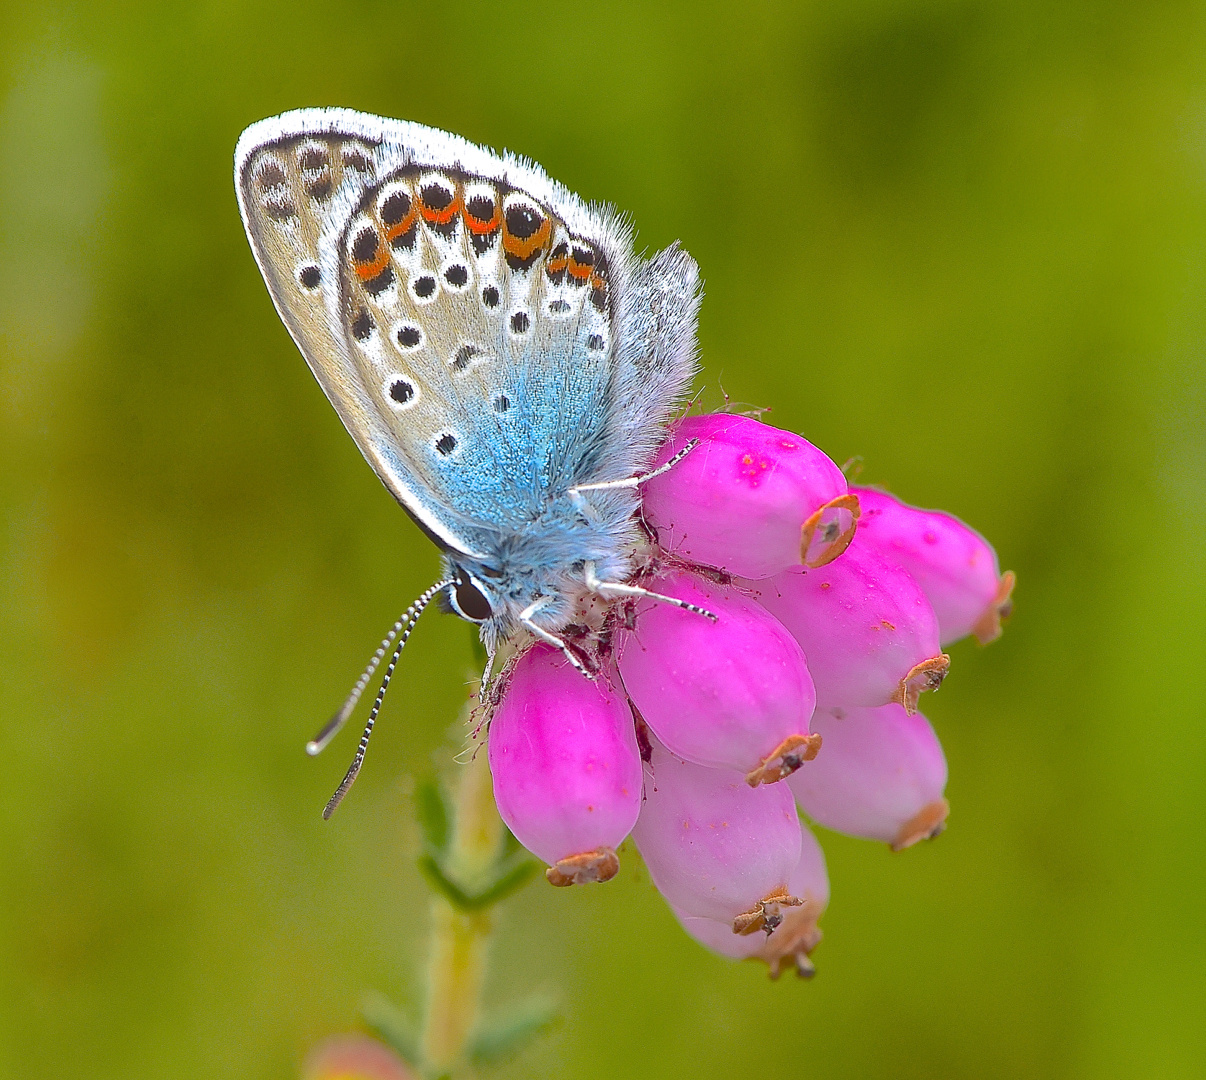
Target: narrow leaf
(511, 1033)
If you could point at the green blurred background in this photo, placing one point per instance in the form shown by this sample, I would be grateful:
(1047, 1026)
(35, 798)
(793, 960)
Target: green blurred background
(963, 239)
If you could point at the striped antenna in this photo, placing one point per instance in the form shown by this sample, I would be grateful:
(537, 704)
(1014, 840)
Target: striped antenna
(402, 627)
(331, 728)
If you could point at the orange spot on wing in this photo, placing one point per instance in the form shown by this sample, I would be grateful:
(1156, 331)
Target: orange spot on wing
(480, 227)
(368, 271)
(581, 271)
(521, 249)
(403, 226)
(441, 217)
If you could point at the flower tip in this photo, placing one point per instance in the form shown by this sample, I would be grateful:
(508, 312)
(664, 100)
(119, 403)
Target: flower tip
(767, 915)
(587, 868)
(792, 943)
(927, 675)
(787, 757)
(928, 823)
(988, 627)
(828, 532)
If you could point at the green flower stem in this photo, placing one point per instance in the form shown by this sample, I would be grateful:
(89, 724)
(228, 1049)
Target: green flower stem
(455, 974)
(460, 938)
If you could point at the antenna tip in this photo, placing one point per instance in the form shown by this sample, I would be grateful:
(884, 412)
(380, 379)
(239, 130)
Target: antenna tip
(313, 747)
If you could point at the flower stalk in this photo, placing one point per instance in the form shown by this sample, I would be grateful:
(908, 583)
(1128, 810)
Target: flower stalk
(456, 968)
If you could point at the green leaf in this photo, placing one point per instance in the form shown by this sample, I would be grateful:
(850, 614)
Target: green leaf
(432, 812)
(511, 1033)
(392, 1025)
(508, 877)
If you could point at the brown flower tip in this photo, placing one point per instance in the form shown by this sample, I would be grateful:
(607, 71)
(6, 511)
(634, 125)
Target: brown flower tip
(927, 675)
(601, 864)
(926, 824)
(988, 626)
(792, 943)
(827, 533)
(354, 1057)
(767, 914)
(788, 756)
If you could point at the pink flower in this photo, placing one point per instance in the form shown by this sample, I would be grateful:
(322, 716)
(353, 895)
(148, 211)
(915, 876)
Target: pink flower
(881, 777)
(566, 769)
(698, 734)
(740, 499)
(729, 694)
(954, 565)
(868, 631)
(792, 941)
(715, 846)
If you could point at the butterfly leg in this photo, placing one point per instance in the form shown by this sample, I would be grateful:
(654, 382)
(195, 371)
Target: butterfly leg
(575, 493)
(615, 589)
(525, 619)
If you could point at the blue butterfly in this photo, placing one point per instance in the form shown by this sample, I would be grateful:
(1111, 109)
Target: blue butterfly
(497, 351)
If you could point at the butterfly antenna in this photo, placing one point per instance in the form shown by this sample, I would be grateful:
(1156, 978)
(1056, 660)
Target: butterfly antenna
(406, 625)
(331, 728)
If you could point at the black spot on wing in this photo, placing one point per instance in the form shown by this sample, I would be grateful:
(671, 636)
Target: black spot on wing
(362, 325)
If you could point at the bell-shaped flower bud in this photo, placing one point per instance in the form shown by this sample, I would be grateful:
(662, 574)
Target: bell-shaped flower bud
(743, 497)
(716, 847)
(955, 566)
(355, 1057)
(732, 693)
(566, 767)
(792, 941)
(866, 628)
(881, 776)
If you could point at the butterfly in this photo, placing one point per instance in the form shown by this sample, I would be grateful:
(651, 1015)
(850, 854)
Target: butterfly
(502, 358)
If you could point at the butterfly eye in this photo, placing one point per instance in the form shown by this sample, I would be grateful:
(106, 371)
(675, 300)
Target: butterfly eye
(470, 602)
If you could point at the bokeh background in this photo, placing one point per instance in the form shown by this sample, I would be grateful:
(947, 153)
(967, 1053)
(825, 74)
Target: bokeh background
(963, 239)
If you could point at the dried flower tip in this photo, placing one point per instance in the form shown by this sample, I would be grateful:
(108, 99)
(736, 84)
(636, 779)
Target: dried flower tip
(591, 866)
(988, 627)
(786, 759)
(827, 533)
(928, 823)
(792, 943)
(766, 915)
(927, 675)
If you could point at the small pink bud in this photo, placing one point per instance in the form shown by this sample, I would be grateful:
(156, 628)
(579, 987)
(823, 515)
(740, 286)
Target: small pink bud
(881, 776)
(566, 767)
(354, 1057)
(734, 693)
(740, 499)
(868, 633)
(791, 942)
(953, 563)
(716, 847)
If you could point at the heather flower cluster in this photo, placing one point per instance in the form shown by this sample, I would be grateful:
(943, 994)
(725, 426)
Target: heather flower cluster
(704, 738)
